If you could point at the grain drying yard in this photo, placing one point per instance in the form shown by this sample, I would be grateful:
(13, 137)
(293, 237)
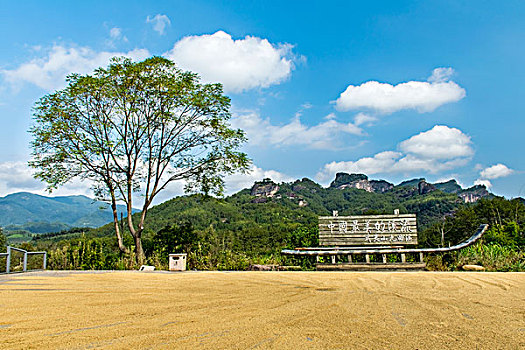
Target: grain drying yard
(262, 310)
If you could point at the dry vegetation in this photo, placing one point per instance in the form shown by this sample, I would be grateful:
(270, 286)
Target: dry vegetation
(246, 310)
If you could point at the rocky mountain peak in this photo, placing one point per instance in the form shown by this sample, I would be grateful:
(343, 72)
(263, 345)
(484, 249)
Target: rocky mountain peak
(424, 187)
(380, 186)
(450, 186)
(264, 188)
(342, 179)
(412, 182)
(474, 193)
(360, 181)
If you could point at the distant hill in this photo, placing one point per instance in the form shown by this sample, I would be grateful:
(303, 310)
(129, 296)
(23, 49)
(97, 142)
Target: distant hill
(40, 214)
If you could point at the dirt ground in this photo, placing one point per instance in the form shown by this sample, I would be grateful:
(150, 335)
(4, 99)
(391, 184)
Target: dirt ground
(264, 310)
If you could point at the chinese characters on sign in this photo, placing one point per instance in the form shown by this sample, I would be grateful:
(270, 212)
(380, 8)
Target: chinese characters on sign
(388, 238)
(379, 231)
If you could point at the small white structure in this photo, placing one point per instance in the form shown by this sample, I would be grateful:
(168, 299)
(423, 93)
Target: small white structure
(147, 268)
(177, 262)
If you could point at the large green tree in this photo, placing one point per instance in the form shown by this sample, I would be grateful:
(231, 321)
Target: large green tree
(132, 128)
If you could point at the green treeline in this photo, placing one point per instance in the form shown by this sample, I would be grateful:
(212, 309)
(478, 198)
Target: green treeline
(240, 230)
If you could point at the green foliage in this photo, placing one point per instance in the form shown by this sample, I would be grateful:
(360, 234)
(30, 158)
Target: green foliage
(18, 236)
(235, 232)
(3, 241)
(501, 248)
(303, 237)
(493, 256)
(506, 235)
(87, 254)
(71, 233)
(174, 239)
(505, 218)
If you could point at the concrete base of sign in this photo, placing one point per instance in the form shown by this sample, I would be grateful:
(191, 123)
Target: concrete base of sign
(177, 262)
(370, 267)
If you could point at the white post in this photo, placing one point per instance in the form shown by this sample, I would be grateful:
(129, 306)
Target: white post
(25, 261)
(8, 264)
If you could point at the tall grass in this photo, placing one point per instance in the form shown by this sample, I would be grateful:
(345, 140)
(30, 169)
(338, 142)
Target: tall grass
(492, 256)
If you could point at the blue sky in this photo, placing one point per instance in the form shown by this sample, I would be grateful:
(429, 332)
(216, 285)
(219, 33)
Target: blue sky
(395, 90)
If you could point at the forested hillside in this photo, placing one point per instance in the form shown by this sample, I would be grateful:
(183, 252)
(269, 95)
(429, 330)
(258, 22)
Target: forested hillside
(260, 218)
(253, 225)
(268, 211)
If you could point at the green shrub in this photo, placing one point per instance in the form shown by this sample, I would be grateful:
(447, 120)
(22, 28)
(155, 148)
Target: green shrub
(493, 256)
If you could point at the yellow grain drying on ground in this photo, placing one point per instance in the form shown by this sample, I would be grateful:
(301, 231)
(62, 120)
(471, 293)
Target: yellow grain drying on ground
(262, 310)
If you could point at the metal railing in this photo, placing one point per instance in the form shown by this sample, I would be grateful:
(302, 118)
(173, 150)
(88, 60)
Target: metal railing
(24, 263)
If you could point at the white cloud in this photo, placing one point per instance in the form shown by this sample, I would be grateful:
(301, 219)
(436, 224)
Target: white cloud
(306, 105)
(440, 75)
(441, 142)
(363, 118)
(115, 33)
(49, 72)
(326, 135)
(386, 98)
(423, 152)
(491, 173)
(160, 22)
(485, 183)
(379, 163)
(237, 182)
(17, 177)
(496, 171)
(412, 163)
(239, 65)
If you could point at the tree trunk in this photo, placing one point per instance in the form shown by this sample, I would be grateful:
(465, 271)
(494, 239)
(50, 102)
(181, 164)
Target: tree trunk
(139, 252)
(120, 242)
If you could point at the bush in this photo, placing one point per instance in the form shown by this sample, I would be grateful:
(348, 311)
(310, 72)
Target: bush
(507, 235)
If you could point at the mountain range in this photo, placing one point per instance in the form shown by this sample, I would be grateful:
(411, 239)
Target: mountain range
(261, 218)
(287, 203)
(34, 213)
